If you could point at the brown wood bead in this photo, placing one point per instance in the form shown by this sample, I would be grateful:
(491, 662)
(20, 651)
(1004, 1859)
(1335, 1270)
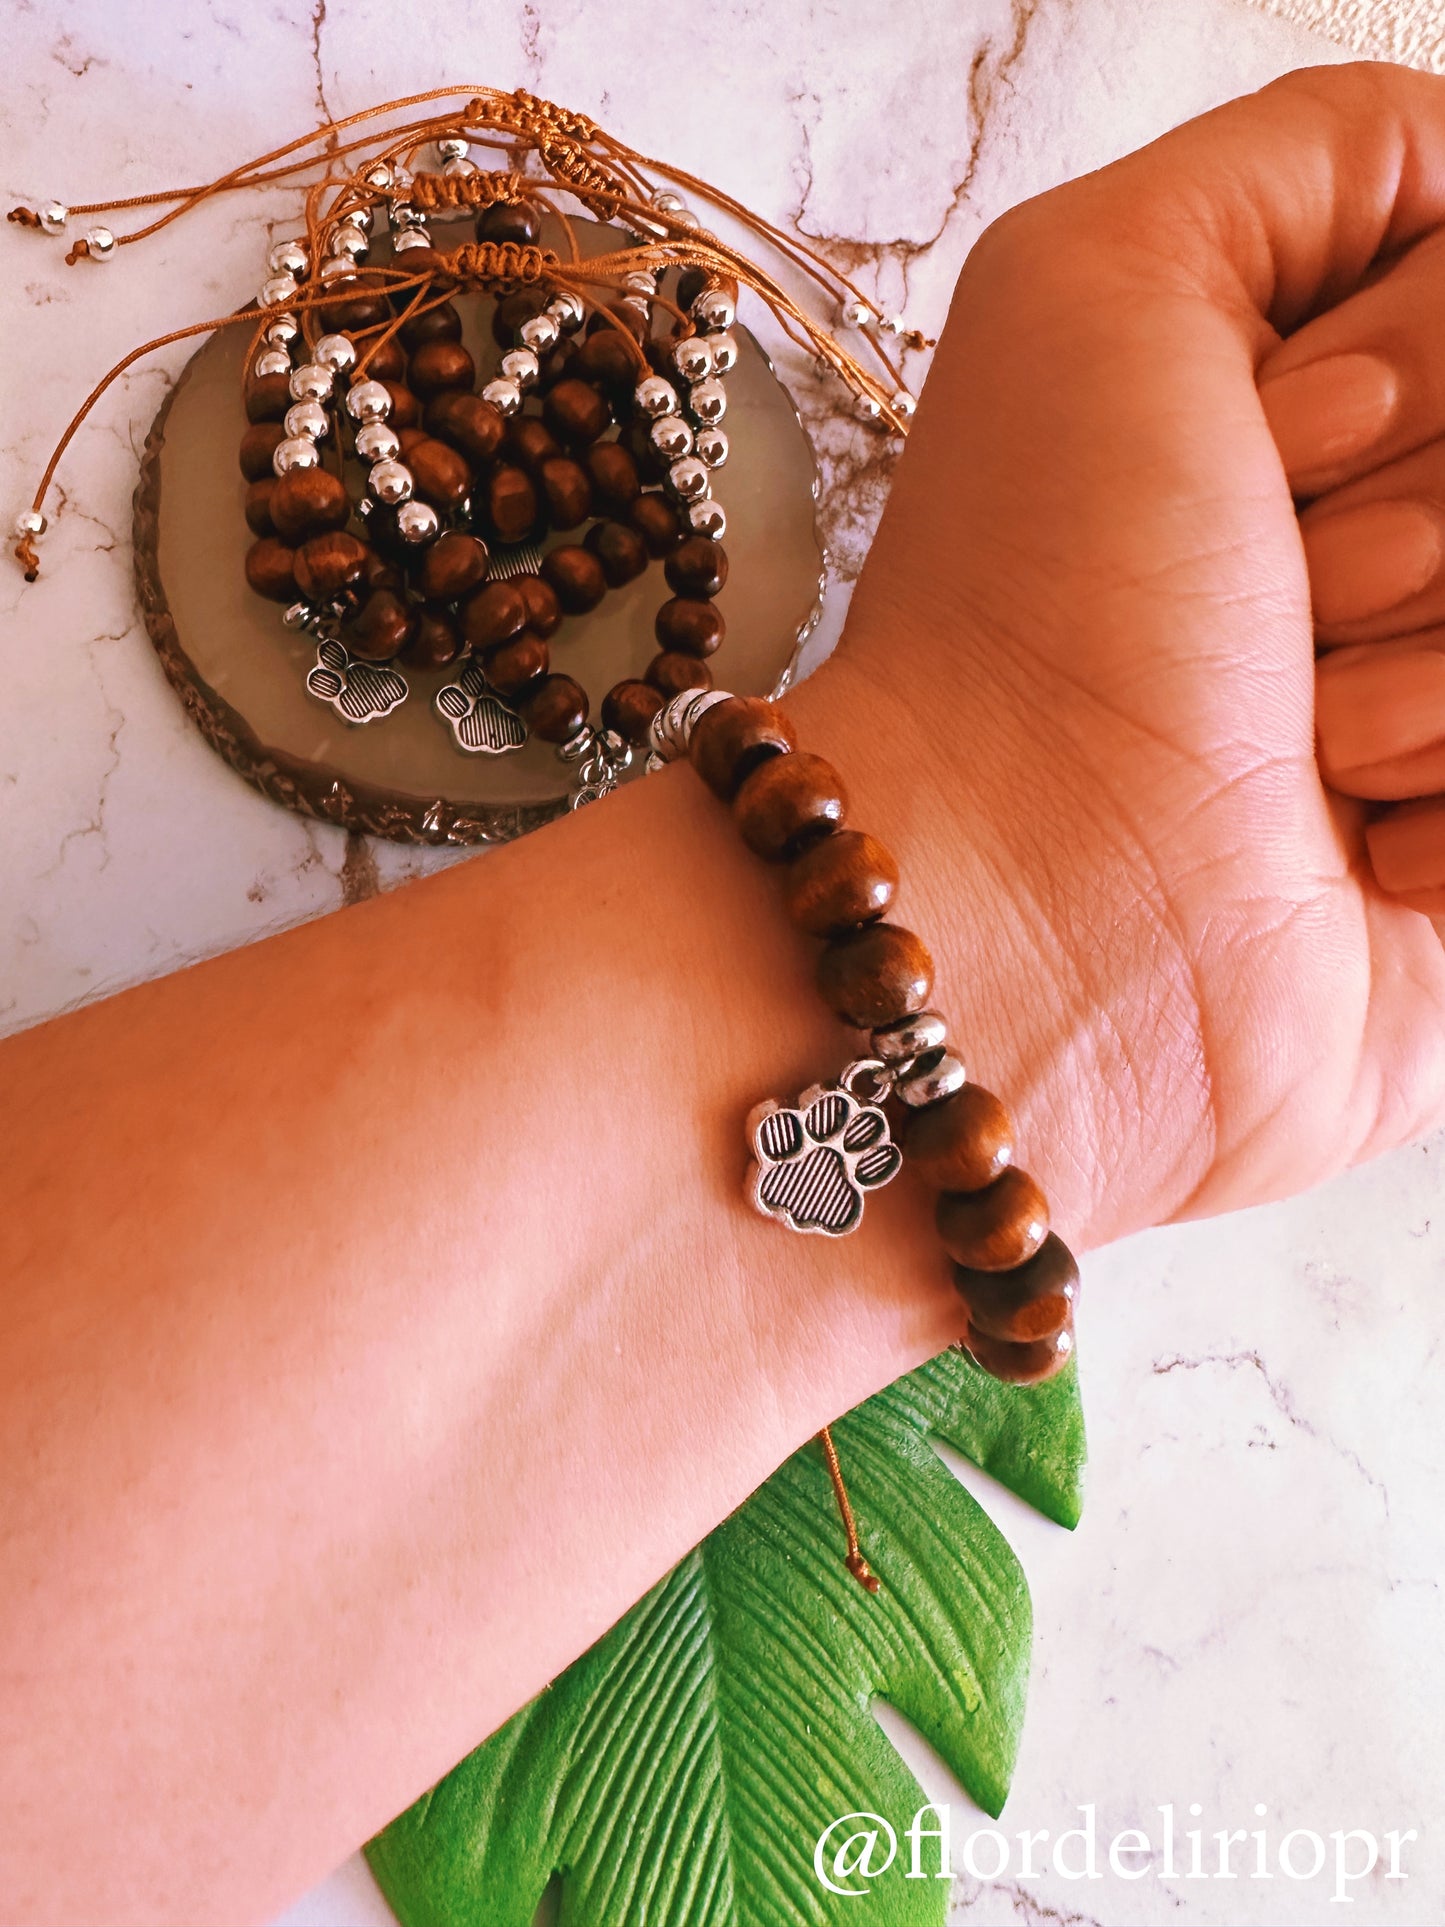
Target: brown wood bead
(381, 573)
(512, 310)
(529, 442)
(258, 506)
(1031, 1301)
(362, 305)
(613, 475)
(405, 408)
(621, 551)
(606, 357)
(513, 668)
(875, 976)
(556, 709)
(672, 672)
(695, 627)
(515, 221)
(386, 361)
(442, 476)
(466, 422)
(598, 322)
(629, 707)
(258, 445)
(453, 566)
(651, 467)
(330, 563)
(381, 627)
(495, 613)
(442, 323)
(270, 569)
(1021, 1364)
(307, 501)
(267, 397)
(567, 490)
(409, 437)
(575, 412)
(511, 507)
(544, 611)
(734, 737)
(996, 1228)
(436, 641)
(961, 1143)
(838, 883)
(576, 576)
(557, 365)
(655, 520)
(786, 801)
(698, 566)
(439, 365)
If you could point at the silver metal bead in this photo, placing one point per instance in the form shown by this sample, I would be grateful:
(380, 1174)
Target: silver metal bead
(297, 451)
(337, 267)
(360, 216)
(377, 442)
(368, 401)
(712, 446)
(540, 333)
(567, 310)
(707, 518)
(936, 1074)
(655, 396)
(521, 366)
(271, 361)
(904, 404)
(666, 202)
(671, 437)
(460, 170)
(714, 310)
(409, 238)
(708, 402)
(641, 281)
(282, 330)
(312, 381)
(900, 1043)
(724, 353)
(684, 217)
(453, 148)
(504, 395)
(307, 418)
(417, 522)
(29, 522)
(288, 257)
(348, 241)
(868, 408)
(279, 291)
(692, 358)
(379, 175)
(391, 482)
(689, 479)
(53, 217)
(401, 181)
(100, 242)
(336, 352)
(298, 615)
(855, 313)
(404, 215)
(637, 304)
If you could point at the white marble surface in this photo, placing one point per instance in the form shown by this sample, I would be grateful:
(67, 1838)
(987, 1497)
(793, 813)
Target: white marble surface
(1251, 1611)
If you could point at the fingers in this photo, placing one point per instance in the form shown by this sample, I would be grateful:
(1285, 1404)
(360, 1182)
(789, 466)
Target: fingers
(1380, 719)
(1407, 852)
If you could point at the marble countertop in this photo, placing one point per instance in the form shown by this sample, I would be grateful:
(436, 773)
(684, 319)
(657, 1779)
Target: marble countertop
(1251, 1611)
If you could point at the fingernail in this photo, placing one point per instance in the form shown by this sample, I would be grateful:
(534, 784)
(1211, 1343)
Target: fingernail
(1363, 561)
(1407, 849)
(1329, 410)
(1369, 708)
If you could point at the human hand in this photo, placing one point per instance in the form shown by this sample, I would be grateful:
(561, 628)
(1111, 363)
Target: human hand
(1085, 626)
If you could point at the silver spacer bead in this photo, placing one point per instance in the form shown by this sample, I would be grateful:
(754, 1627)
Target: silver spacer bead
(900, 1043)
(409, 238)
(540, 333)
(401, 181)
(288, 257)
(379, 175)
(671, 437)
(689, 479)
(714, 310)
(855, 313)
(724, 353)
(707, 518)
(712, 446)
(670, 731)
(391, 482)
(312, 381)
(358, 217)
(404, 215)
(708, 402)
(100, 242)
(504, 395)
(692, 358)
(417, 522)
(567, 311)
(655, 396)
(377, 442)
(453, 148)
(936, 1074)
(53, 217)
(307, 418)
(641, 282)
(298, 615)
(461, 169)
(368, 401)
(271, 361)
(349, 241)
(684, 217)
(521, 366)
(336, 352)
(904, 404)
(666, 202)
(29, 522)
(283, 330)
(868, 408)
(337, 267)
(297, 451)
(279, 291)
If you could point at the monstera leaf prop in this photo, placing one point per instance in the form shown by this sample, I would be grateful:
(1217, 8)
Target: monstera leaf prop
(680, 1774)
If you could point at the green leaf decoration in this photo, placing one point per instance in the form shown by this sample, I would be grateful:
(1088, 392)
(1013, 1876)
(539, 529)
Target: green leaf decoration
(681, 1772)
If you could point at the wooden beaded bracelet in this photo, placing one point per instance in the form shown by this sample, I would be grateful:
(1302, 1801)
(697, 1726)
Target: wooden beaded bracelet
(815, 1161)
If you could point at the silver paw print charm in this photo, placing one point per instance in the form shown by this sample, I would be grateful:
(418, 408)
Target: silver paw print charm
(359, 692)
(480, 722)
(815, 1161)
